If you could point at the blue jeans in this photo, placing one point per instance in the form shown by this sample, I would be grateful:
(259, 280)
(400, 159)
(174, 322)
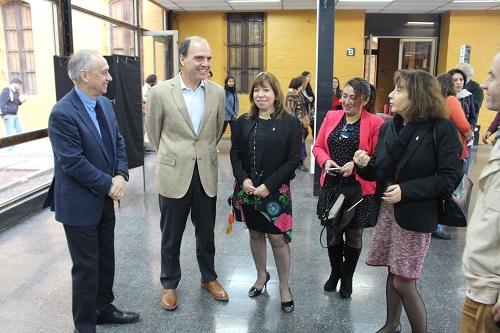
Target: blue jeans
(12, 124)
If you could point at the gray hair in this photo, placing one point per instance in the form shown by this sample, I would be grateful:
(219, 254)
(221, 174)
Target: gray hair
(80, 60)
(467, 69)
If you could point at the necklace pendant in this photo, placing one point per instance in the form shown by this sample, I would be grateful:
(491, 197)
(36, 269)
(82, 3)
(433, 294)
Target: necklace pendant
(274, 129)
(416, 139)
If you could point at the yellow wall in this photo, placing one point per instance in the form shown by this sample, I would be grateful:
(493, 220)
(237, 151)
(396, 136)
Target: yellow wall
(479, 29)
(152, 20)
(290, 43)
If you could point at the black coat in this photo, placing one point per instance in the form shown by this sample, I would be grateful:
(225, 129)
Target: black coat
(423, 175)
(280, 157)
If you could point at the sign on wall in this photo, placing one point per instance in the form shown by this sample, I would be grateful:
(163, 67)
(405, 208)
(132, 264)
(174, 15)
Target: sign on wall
(464, 54)
(350, 52)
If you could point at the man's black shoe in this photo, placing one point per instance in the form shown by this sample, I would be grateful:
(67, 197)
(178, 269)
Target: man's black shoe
(115, 316)
(441, 235)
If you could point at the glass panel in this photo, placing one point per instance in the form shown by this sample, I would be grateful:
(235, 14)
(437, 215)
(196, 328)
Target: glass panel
(11, 40)
(235, 35)
(237, 77)
(235, 57)
(25, 167)
(254, 33)
(28, 40)
(252, 73)
(152, 16)
(254, 57)
(416, 55)
(103, 7)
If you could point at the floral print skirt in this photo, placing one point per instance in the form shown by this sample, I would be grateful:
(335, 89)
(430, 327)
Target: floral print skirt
(272, 215)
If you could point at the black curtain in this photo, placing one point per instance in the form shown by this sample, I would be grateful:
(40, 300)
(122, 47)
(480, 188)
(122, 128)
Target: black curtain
(125, 93)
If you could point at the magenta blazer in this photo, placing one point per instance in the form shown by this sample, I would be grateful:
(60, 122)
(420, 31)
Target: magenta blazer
(368, 136)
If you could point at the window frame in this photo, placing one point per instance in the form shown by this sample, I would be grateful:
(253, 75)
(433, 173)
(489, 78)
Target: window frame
(27, 75)
(247, 72)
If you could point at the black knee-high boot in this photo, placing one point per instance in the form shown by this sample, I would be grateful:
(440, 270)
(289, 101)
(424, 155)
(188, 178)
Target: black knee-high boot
(335, 253)
(348, 267)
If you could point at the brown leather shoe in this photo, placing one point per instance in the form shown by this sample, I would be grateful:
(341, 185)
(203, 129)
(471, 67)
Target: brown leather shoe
(216, 290)
(169, 299)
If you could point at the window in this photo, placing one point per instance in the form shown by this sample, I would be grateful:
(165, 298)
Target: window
(245, 35)
(122, 39)
(19, 44)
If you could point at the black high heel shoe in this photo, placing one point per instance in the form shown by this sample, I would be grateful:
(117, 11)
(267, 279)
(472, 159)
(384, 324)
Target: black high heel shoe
(256, 291)
(397, 329)
(288, 306)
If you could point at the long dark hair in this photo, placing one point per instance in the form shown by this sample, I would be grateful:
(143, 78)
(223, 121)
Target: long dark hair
(308, 89)
(228, 88)
(370, 106)
(446, 82)
(337, 92)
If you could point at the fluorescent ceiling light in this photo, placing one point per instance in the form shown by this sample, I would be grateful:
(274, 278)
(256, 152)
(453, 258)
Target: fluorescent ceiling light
(474, 1)
(250, 1)
(419, 23)
(366, 0)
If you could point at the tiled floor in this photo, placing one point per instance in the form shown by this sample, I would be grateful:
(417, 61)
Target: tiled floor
(36, 287)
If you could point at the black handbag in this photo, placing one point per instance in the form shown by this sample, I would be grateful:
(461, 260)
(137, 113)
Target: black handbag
(454, 207)
(341, 203)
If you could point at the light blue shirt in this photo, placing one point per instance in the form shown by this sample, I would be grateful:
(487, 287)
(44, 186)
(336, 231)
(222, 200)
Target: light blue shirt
(195, 102)
(89, 104)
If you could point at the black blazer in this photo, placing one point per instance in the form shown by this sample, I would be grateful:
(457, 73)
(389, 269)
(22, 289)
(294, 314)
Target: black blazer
(423, 175)
(280, 157)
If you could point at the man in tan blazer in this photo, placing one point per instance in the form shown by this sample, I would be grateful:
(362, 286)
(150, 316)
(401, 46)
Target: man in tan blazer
(184, 122)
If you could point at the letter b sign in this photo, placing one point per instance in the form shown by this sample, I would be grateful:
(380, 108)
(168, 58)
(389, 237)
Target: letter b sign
(350, 52)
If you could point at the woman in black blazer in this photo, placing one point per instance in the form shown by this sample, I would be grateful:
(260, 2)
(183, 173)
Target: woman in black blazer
(265, 152)
(412, 177)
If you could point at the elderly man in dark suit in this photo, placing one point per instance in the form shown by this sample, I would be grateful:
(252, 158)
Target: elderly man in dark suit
(184, 121)
(90, 171)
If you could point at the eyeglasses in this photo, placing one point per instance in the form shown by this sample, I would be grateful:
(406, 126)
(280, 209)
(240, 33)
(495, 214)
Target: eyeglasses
(346, 131)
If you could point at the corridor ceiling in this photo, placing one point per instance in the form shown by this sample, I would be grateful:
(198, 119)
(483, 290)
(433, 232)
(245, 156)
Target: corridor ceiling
(374, 6)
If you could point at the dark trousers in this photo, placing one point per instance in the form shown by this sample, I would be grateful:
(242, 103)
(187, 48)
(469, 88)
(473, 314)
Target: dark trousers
(93, 255)
(174, 213)
(227, 122)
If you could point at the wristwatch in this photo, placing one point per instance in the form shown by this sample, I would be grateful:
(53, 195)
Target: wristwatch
(123, 174)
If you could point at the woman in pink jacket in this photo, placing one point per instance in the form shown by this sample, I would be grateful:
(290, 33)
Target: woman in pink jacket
(340, 136)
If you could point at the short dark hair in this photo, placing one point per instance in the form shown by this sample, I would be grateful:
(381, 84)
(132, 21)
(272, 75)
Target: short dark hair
(151, 78)
(361, 88)
(296, 82)
(305, 73)
(458, 71)
(446, 82)
(184, 46)
(16, 80)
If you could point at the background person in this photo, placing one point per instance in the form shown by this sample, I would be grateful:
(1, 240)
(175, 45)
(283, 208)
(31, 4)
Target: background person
(340, 136)
(232, 107)
(472, 86)
(265, 151)
(482, 242)
(9, 106)
(90, 171)
(468, 103)
(151, 81)
(296, 105)
(184, 121)
(457, 116)
(411, 181)
(337, 94)
(492, 129)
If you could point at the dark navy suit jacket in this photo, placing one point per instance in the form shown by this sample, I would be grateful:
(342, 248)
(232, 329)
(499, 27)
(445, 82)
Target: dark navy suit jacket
(83, 169)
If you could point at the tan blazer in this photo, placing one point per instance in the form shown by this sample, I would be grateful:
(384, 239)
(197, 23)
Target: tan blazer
(171, 131)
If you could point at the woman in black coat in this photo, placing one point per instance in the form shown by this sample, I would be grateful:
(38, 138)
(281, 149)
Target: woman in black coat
(416, 163)
(265, 152)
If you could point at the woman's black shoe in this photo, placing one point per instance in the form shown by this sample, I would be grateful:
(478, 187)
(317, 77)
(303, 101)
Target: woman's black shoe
(256, 291)
(288, 306)
(397, 329)
(331, 283)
